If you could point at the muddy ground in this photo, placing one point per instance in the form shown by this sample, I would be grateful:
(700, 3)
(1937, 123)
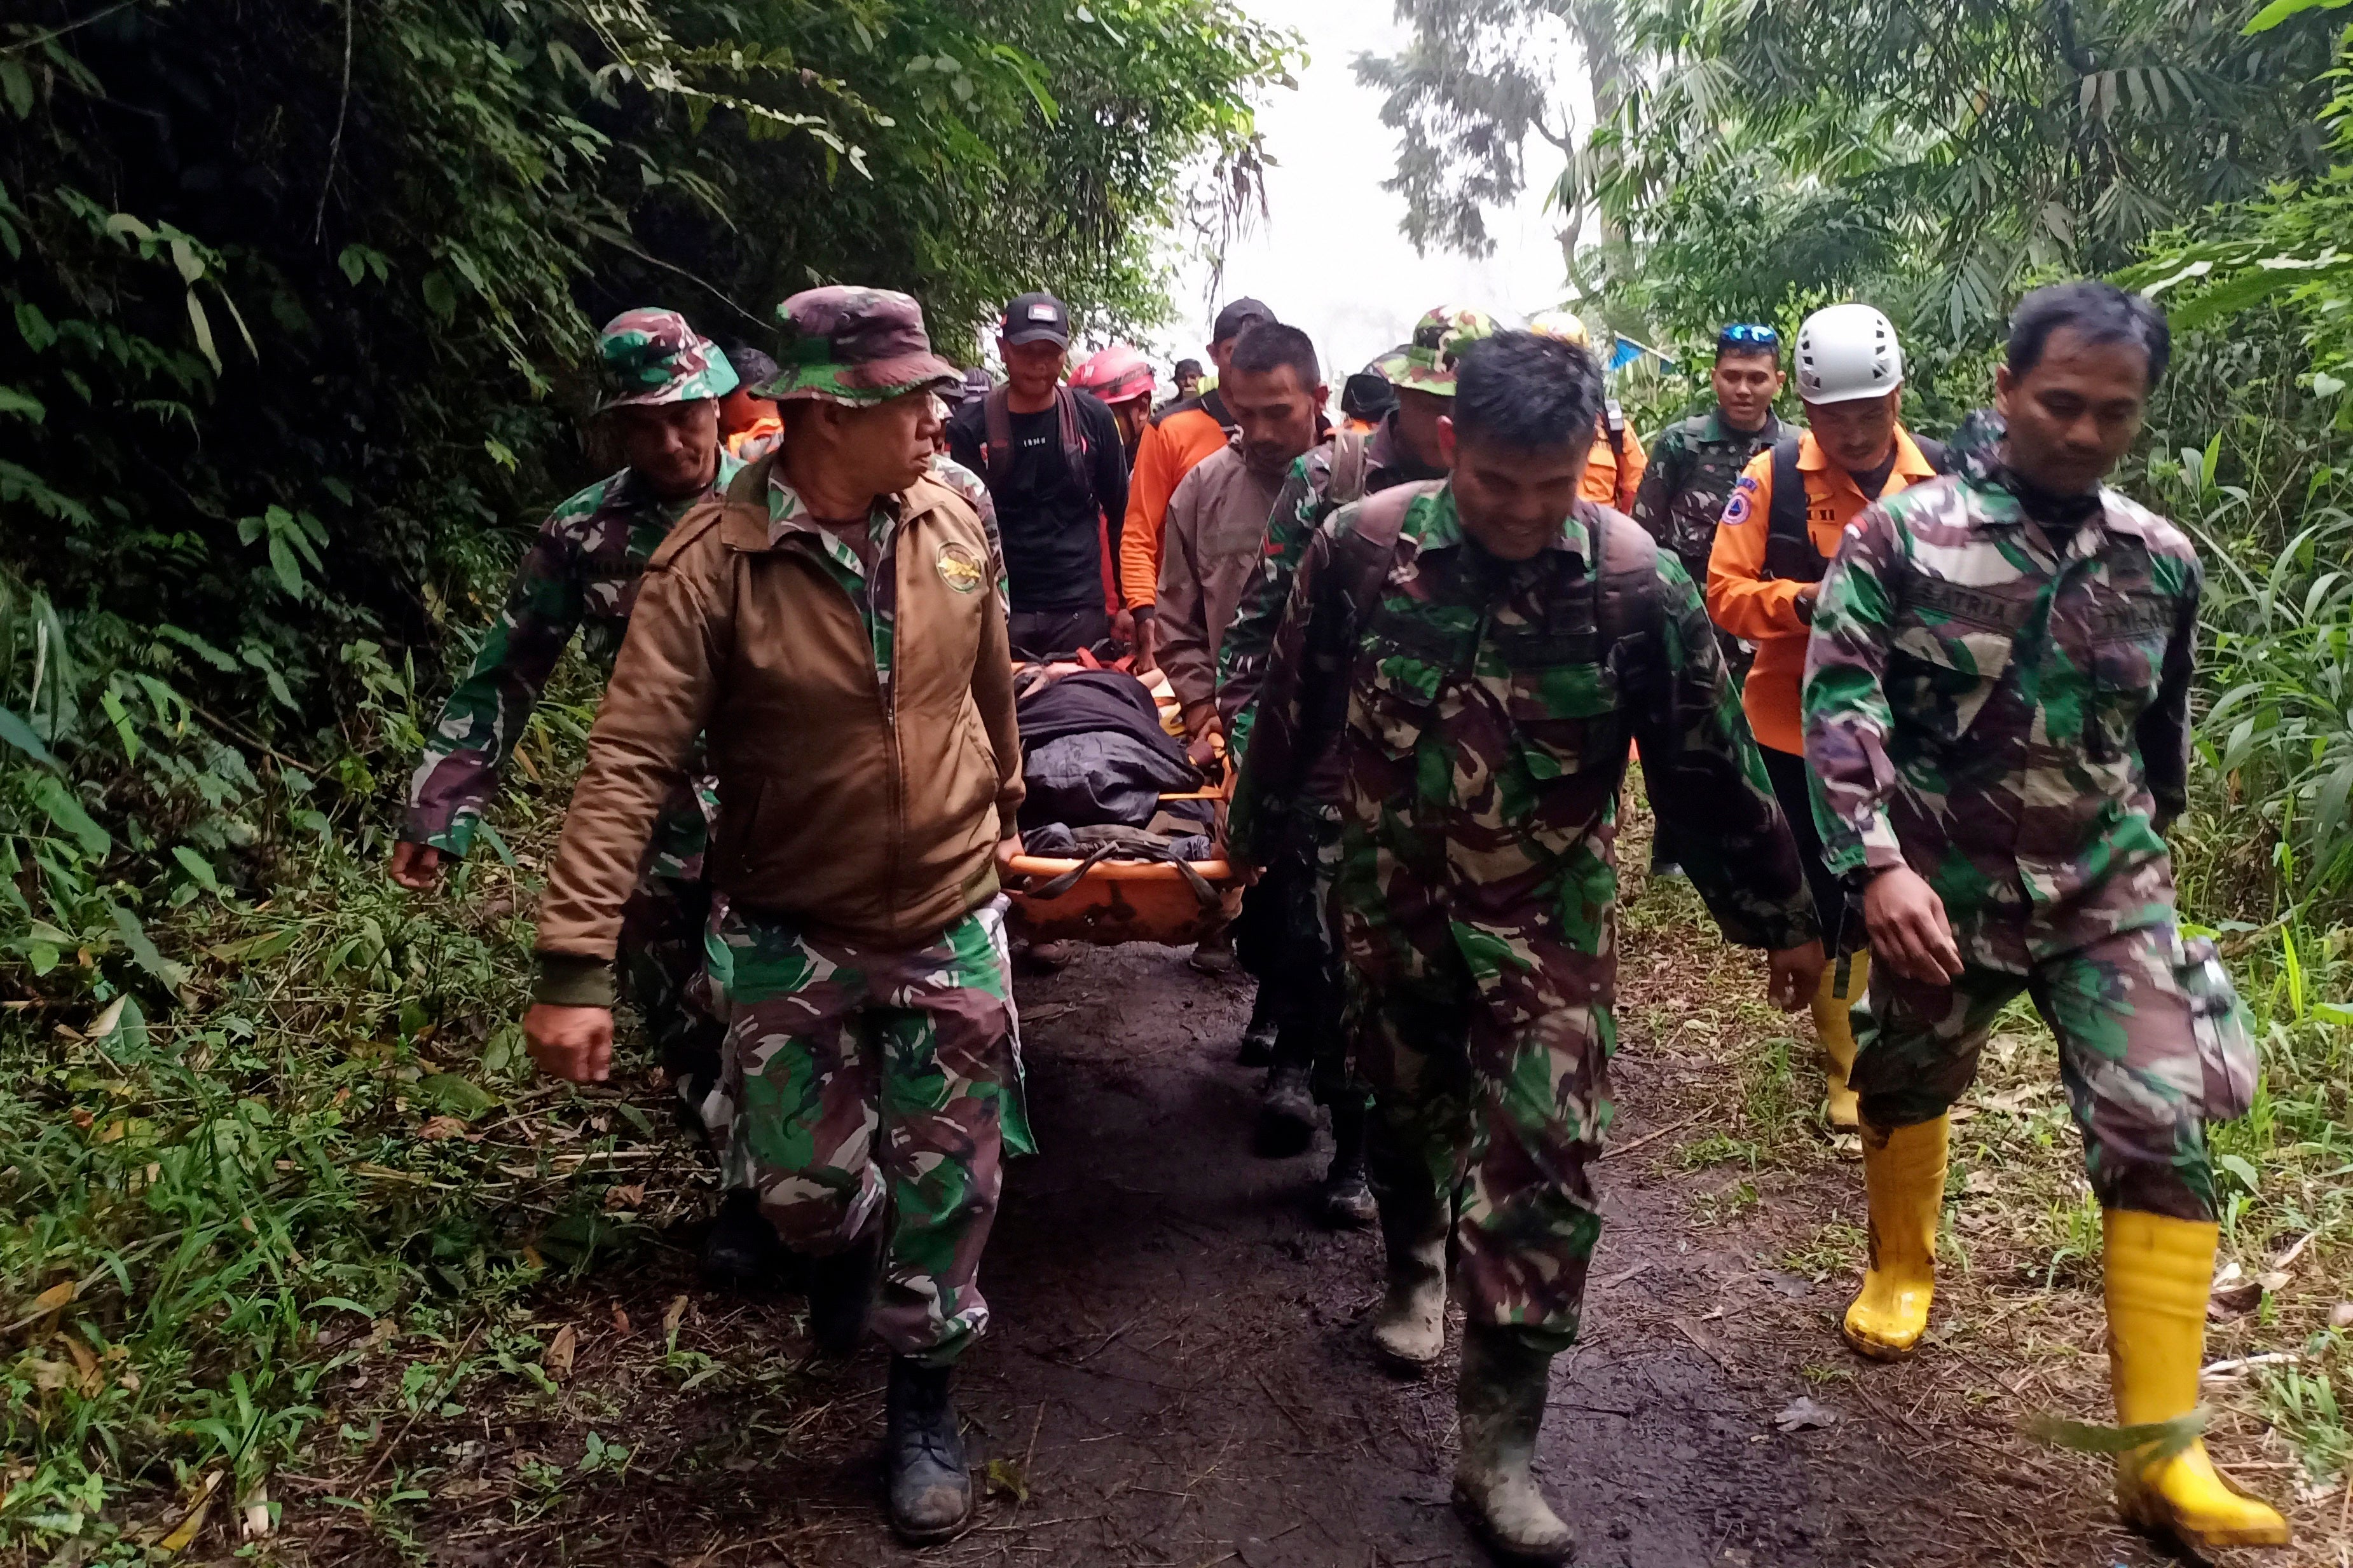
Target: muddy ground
(1178, 1373)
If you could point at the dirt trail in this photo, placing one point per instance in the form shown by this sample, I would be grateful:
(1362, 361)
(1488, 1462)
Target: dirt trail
(1178, 1373)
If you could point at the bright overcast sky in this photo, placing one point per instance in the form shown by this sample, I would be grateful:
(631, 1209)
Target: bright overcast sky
(1329, 256)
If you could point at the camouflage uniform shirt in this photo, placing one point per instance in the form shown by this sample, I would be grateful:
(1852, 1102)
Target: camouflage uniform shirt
(580, 575)
(1694, 463)
(1485, 738)
(1300, 508)
(2006, 711)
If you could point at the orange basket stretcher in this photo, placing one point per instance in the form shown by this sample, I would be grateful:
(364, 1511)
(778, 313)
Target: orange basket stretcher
(1107, 902)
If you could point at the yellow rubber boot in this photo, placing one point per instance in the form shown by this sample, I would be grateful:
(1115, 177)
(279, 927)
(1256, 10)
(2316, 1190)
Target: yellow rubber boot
(1834, 1027)
(2160, 1272)
(1904, 1178)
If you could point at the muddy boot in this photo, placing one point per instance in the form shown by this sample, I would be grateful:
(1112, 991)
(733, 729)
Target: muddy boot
(1258, 1040)
(741, 1250)
(1843, 984)
(1903, 1190)
(922, 1454)
(1348, 1198)
(1286, 1117)
(2160, 1272)
(1409, 1328)
(841, 1293)
(1500, 1406)
(1214, 953)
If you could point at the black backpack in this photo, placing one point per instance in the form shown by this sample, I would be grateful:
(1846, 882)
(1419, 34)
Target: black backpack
(1789, 553)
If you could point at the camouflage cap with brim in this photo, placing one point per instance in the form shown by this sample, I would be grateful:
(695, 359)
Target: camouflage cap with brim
(1438, 340)
(651, 357)
(858, 346)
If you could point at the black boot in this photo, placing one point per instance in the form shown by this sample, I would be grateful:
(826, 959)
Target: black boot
(842, 1294)
(741, 1250)
(1286, 1117)
(1257, 1040)
(922, 1454)
(1348, 1198)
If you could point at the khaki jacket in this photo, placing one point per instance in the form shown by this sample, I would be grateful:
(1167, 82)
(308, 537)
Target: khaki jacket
(1214, 534)
(867, 763)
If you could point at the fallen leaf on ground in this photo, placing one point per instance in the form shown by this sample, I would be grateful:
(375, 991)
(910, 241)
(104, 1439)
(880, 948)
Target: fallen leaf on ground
(1005, 1478)
(54, 1297)
(2232, 1300)
(1802, 1413)
(558, 1359)
(441, 1127)
(2340, 1316)
(620, 1320)
(195, 1520)
(627, 1198)
(673, 1315)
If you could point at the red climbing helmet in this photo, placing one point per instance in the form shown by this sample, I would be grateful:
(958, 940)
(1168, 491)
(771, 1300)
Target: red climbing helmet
(1115, 374)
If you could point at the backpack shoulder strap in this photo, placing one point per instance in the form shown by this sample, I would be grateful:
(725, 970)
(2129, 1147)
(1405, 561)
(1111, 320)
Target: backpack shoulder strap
(1368, 554)
(1626, 576)
(1348, 467)
(1613, 420)
(1074, 439)
(1789, 553)
(996, 434)
(1939, 456)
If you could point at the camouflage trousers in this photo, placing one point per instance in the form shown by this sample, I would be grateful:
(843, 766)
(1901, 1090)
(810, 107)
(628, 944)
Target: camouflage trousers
(662, 970)
(2137, 1072)
(1487, 1053)
(1303, 960)
(877, 1087)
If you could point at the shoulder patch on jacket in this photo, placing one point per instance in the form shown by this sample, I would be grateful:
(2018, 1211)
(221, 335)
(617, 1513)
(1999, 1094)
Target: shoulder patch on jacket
(1743, 504)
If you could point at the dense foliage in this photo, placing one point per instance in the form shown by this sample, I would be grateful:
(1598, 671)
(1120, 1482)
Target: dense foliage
(302, 291)
(298, 294)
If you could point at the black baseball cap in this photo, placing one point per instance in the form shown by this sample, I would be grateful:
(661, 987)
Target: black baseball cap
(1240, 313)
(1036, 319)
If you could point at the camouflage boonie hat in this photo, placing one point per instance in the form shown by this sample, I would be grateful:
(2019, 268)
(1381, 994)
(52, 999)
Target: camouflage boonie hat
(1438, 340)
(858, 346)
(653, 356)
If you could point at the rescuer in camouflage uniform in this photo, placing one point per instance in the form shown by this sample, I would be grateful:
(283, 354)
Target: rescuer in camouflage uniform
(1998, 719)
(581, 575)
(1303, 859)
(1695, 462)
(1485, 648)
(1694, 465)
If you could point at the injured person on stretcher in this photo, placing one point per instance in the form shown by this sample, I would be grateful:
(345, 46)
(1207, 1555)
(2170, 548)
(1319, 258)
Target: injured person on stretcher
(1118, 828)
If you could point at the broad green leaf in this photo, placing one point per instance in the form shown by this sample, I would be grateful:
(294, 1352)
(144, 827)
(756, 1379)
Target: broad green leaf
(2162, 1438)
(457, 1096)
(25, 403)
(197, 866)
(142, 948)
(19, 734)
(2242, 1170)
(204, 331)
(2279, 11)
(16, 83)
(58, 803)
(282, 563)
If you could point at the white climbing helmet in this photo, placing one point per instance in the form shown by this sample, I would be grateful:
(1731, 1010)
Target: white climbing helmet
(1846, 353)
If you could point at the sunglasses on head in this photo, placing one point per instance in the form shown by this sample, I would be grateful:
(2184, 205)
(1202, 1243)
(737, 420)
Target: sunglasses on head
(1744, 335)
